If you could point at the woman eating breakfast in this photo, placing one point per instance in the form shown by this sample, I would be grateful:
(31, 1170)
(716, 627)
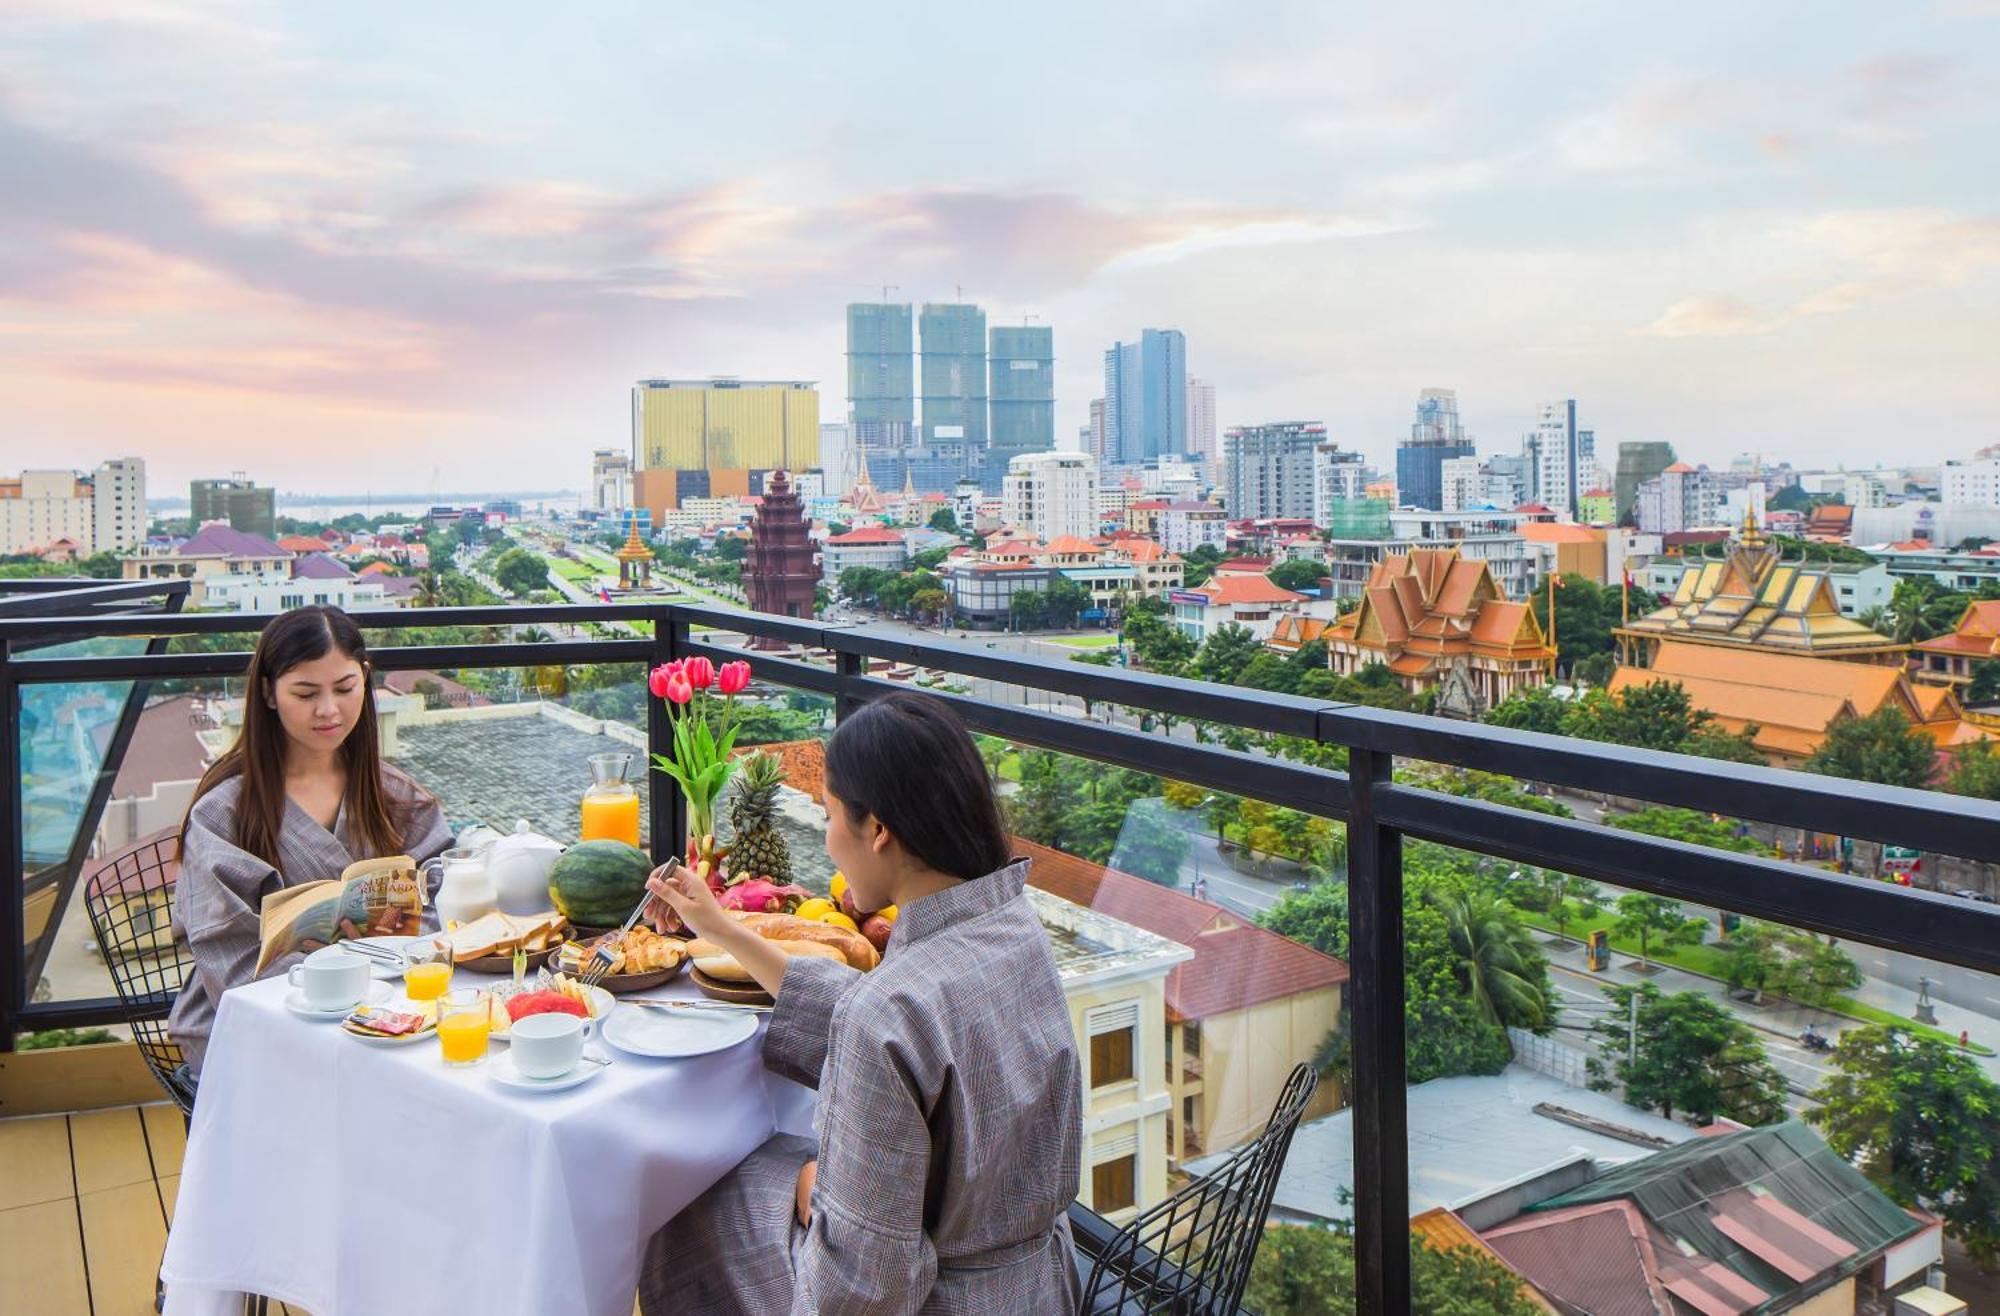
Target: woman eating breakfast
(302, 794)
(949, 1119)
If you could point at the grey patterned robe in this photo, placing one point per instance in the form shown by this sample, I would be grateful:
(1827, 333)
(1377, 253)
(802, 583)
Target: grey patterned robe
(221, 889)
(949, 1133)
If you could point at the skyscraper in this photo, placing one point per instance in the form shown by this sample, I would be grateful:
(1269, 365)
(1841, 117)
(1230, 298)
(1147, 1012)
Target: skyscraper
(1094, 433)
(1271, 468)
(1561, 458)
(1146, 398)
(1638, 463)
(952, 337)
(1435, 437)
(1201, 422)
(881, 391)
(718, 438)
(879, 388)
(1021, 395)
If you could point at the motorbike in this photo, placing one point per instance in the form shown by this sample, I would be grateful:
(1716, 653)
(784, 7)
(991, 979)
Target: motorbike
(1814, 1041)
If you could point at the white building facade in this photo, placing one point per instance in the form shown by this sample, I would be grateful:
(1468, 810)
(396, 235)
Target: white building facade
(102, 512)
(1562, 459)
(1336, 475)
(1184, 527)
(1461, 483)
(1970, 484)
(1051, 494)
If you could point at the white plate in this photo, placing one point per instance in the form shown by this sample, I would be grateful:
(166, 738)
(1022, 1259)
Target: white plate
(394, 945)
(295, 1001)
(500, 1068)
(674, 1033)
(429, 1030)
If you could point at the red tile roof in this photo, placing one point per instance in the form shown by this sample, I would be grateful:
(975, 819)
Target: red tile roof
(1236, 590)
(868, 534)
(1236, 964)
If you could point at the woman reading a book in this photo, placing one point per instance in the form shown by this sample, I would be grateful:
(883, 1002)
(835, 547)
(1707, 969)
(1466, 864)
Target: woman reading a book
(302, 794)
(949, 1104)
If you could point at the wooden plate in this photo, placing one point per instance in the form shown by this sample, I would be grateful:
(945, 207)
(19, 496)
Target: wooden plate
(736, 993)
(620, 983)
(505, 963)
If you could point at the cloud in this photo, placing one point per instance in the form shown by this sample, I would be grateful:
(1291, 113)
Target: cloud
(1711, 317)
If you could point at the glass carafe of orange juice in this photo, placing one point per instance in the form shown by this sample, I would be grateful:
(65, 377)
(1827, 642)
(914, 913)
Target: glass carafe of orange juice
(611, 805)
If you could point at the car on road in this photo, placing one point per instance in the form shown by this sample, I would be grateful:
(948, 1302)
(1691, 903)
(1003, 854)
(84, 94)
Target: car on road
(1967, 893)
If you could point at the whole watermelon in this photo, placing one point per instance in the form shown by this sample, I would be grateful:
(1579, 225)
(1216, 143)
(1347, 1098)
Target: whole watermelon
(596, 884)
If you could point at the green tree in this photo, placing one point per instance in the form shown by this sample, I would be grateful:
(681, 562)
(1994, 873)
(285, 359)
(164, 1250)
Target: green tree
(1686, 825)
(1267, 671)
(944, 520)
(1755, 958)
(731, 548)
(1224, 655)
(521, 572)
(859, 584)
(1654, 919)
(1063, 601)
(1882, 747)
(1687, 1053)
(1297, 573)
(1029, 608)
(930, 602)
(1300, 1270)
(1498, 963)
(1529, 709)
(1974, 770)
(1923, 1122)
(1574, 897)
(1713, 742)
(1985, 686)
(1586, 614)
(1657, 715)
(1444, 1031)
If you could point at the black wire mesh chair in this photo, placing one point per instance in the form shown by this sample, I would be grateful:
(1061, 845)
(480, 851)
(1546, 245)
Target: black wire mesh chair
(1191, 1254)
(130, 896)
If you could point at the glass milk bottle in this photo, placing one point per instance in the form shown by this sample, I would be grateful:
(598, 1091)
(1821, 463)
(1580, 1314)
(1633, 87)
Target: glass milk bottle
(611, 805)
(465, 891)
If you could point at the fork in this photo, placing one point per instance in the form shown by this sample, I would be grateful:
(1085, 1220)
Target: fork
(601, 959)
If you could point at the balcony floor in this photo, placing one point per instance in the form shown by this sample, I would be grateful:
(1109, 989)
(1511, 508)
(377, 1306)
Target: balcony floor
(85, 1201)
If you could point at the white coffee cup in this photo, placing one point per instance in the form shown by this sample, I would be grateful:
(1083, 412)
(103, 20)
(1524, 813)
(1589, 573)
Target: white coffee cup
(548, 1045)
(331, 979)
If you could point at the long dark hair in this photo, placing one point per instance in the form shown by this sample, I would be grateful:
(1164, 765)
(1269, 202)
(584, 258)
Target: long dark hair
(907, 759)
(257, 758)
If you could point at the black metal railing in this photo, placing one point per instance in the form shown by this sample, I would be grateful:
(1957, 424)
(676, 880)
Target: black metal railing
(1378, 812)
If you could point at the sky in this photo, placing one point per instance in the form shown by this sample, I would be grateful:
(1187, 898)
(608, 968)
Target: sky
(373, 246)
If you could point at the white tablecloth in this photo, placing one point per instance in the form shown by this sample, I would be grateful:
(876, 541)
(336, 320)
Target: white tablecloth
(366, 1180)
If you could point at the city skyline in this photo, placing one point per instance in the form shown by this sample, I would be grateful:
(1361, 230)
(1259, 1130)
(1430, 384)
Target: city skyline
(398, 244)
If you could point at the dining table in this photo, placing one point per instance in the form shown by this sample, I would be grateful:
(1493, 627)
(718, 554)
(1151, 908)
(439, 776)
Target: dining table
(351, 1178)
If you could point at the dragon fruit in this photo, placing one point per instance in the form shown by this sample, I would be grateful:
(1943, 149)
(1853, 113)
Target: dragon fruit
(759, 895)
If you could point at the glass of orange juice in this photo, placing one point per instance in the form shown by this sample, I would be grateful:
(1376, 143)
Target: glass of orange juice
(464, 1025)
(426, 969)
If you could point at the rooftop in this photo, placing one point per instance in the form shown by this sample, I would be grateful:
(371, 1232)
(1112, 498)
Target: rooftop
(1468, 1137)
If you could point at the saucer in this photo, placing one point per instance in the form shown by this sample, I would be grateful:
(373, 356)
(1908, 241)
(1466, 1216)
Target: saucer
(295, 1001)
(500, 1068)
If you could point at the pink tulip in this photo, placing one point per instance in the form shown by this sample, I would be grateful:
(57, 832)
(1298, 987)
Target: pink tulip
(656, 680)
(700, 673)
(733, 677)
(678, 689)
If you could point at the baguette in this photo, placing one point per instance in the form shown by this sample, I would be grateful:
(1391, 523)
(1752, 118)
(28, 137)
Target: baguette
(856, 949)
(714, 962)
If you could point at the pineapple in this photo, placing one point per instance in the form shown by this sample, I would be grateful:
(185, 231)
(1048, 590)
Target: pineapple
(756, 849)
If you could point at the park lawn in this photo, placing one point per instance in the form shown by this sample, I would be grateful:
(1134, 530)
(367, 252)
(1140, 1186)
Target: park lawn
(574, 572)
(1085, 641)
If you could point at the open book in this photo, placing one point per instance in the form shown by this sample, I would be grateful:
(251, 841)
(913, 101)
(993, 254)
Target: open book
(371, 898)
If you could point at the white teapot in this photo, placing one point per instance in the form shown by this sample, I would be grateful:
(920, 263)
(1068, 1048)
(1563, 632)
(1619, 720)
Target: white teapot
(519, 864)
